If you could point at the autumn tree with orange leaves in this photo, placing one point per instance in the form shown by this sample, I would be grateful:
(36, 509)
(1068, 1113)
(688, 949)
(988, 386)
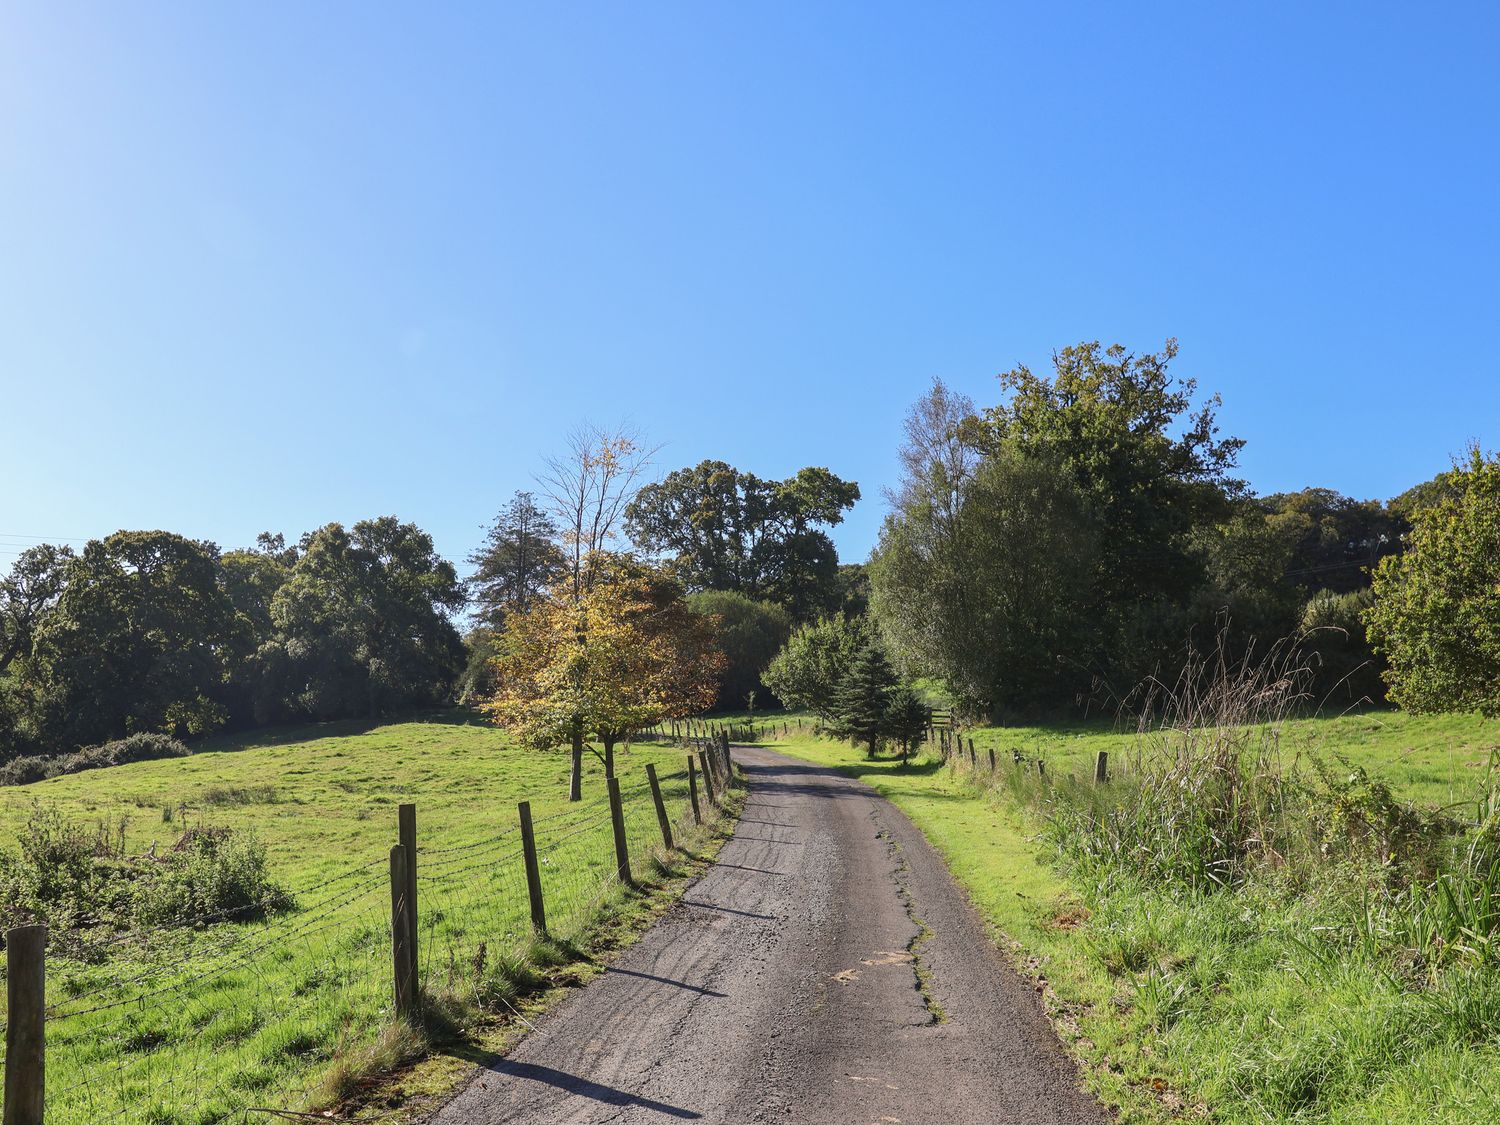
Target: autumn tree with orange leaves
(601, 658)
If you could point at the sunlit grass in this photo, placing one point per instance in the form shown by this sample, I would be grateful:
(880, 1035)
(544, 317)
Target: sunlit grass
(295, 1010)
(1264, 1004)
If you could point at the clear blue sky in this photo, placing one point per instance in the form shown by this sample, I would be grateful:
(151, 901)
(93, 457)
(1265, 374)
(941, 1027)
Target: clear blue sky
(268, 265)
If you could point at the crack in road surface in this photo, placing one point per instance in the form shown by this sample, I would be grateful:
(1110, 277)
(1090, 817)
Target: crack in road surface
(781, 989)
(923, 935)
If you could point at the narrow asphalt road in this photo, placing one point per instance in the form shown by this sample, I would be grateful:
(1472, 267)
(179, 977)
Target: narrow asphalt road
(794, 983)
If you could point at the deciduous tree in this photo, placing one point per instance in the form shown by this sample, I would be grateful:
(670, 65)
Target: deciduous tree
(1152, 467)
(623, 653)
(987, 583)
(807, 671)
(140, 640)
(730, 530)
(1437, 606)
(363, 623)
(749, 634)
(32, 587)
(589, 487)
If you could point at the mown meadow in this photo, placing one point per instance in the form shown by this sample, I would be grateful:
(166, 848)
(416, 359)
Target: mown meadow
(292, 1008)
(1337, 990)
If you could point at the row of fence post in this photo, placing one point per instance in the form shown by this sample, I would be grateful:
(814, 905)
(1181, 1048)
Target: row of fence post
(951, 746)
(25, 946)
(715, 767)
(689, 730)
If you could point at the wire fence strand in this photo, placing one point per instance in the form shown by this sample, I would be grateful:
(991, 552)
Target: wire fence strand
(234, 1014)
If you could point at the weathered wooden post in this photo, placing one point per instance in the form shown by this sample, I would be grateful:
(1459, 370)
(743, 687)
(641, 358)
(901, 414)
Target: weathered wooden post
(992, 759)
(533, 871)
(25, 1024)
(708, 776)
(661, 809)
(1101, 767)
(693, 790)
(403, 957)
(406, 817)
(617, 822)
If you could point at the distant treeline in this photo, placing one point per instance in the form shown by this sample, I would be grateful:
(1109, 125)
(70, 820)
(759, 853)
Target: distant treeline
(149, 631)
(1043, 555)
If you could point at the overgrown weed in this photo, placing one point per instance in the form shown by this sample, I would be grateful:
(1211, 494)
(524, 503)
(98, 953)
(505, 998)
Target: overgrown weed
(1240, 881)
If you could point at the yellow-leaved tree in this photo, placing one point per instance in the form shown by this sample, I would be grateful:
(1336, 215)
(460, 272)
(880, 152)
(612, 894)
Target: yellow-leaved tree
(602, 658)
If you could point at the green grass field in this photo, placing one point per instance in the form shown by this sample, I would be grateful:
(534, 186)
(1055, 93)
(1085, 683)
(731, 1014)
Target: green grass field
(194, 1026)
(1232, 1006)
(1438, 760)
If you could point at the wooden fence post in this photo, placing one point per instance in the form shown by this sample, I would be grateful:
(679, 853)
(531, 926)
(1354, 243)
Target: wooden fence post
(661, 809)
(533, 871)
(406, 819)
(693, 790)
(708, 776)
(1101, 767)
(25, 1024)
(992, 759)
(617, 822)
(403, 959)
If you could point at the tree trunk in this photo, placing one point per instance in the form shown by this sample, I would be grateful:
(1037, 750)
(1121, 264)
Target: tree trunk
(575, 783)
(872, 747)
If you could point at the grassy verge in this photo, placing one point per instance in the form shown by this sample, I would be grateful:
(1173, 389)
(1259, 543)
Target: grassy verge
(1280, 1000)
(292, 1010)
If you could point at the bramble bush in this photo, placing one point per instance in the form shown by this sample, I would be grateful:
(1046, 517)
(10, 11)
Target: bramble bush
(212, 872)
(74, 878)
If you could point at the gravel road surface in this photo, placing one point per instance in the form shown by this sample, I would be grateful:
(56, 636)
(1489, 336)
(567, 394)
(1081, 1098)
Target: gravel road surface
(797, 981)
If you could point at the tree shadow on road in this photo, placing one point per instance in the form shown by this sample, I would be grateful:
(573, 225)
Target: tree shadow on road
(583, 1087)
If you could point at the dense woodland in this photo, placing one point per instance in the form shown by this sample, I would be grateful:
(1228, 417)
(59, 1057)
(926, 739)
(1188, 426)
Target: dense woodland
(1042, 555)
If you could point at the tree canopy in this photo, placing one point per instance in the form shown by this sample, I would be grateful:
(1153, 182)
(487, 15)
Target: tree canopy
(1048, 543)
(362, 623)
(807, 671)
(1436, 615)
(724, 529)
(620, 654)
(518, 559)
(749, 633)
(140, 639)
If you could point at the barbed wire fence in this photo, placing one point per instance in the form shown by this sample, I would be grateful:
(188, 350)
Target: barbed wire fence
(985, 765)
(251, 1013)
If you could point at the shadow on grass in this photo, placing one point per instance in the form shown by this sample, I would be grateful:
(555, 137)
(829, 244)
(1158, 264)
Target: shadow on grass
(228, 742)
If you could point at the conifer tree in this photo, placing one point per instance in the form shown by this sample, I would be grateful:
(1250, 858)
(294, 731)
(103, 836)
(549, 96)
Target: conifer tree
(862, 705)
(906, 718)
